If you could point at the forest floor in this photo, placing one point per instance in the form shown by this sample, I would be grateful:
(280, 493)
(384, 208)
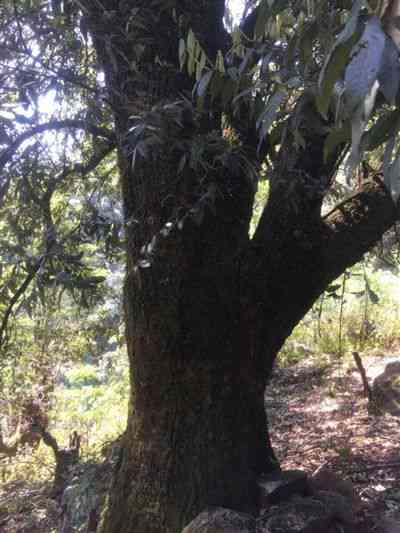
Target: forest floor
(26, 507)
(318, 416)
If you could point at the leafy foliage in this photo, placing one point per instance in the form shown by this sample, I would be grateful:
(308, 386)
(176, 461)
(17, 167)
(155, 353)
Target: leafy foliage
(58, 178)
(303, 75)
(61, 219)
(344, 54)
(55, 169)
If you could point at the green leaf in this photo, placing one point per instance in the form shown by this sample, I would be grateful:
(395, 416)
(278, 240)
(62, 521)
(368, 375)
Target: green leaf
(381, 130)
(336, 61)
(267, 118)
(219, 63)
(362, 71)
(266, 10)
(203, 83)
(336, 137)
(228, 92)
(200, 65)
(216, 85)
(182, 163)
(391, 166)
(306, 43)
(190, 42)
(182, 53)
(262, 19)
(389, 75)
(191, 46)
(394, 179)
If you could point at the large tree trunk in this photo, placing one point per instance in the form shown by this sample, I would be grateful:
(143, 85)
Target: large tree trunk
(207, 310)
(197, 430)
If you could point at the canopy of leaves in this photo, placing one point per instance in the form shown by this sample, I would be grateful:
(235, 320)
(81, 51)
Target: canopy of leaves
(59, 209)
(341, 52)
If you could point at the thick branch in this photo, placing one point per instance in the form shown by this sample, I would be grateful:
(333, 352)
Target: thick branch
(285, 275)
(353, 228)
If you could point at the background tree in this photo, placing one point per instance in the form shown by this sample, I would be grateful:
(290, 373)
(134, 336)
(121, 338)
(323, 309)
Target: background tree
(195, 111)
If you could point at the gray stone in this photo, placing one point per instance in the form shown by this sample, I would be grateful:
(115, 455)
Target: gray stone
(282, 485)
(390, 525)
(386, 388)
(325, 480)
(221, 520)
(321, 513)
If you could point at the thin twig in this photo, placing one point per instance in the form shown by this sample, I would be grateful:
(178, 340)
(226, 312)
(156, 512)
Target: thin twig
(363, 374)
(342, 301)
(19, 292)
(54, 125)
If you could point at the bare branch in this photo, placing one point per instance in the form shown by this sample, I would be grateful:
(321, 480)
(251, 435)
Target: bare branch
(9, 450)
(17, 295)
(54, 125)
(49, 440)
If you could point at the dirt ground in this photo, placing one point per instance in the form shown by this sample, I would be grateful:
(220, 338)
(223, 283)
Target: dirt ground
(319, 416)
(27, 508)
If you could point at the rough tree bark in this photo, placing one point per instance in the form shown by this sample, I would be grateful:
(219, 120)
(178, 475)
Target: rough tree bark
(208, 309)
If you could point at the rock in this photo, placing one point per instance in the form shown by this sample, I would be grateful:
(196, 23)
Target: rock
(389, 525)
(282, 485)
(221, 520)
(329, 525)
(304, 515)
(386, 389)
(83, 498)
(85, 495)
(326, 480)
(292, 516)
(339, 507)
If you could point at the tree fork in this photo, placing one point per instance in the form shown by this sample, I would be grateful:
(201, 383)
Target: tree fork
(208, 310)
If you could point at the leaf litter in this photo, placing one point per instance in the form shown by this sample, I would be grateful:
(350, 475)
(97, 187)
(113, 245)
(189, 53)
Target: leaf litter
(319, 416)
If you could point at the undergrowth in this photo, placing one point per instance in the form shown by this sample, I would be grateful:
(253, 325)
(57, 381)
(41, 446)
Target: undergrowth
(91, 399)
(359, 312)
